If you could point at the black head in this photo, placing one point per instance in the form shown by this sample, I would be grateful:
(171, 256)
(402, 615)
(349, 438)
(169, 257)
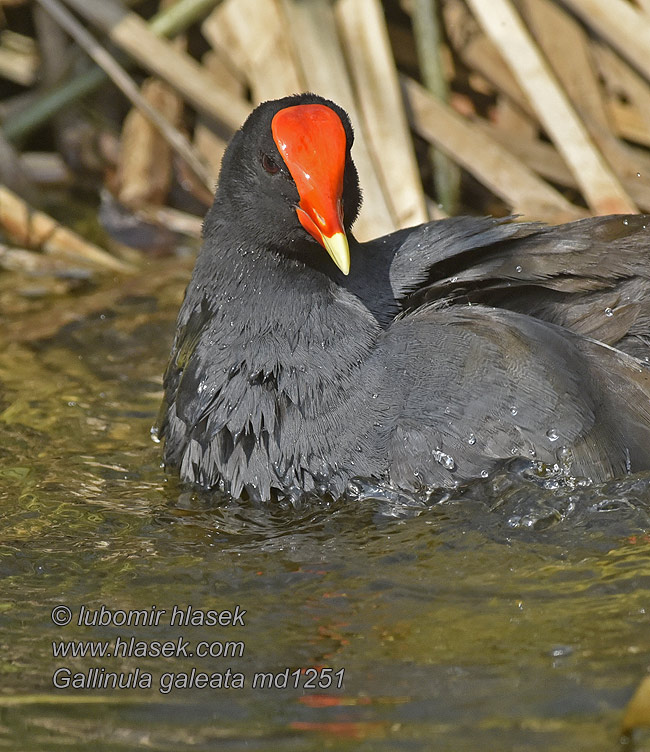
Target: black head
(268, 193)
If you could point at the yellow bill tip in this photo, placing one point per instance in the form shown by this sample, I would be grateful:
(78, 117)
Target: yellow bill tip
(338, 249)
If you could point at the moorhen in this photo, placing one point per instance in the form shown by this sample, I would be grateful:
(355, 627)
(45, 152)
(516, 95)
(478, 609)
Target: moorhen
(304, 360)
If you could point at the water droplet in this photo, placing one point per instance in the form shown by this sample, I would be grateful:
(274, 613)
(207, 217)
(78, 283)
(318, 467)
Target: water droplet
(471, 439)
(559, 651)
(552, 434)
(375, 395)
(445, 460)
(638, 174)
(484, 473)
(518, 269)
(513, 410)
(626, 221)
(609, 312)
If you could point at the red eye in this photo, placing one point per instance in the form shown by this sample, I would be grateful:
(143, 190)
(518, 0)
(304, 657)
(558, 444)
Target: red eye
(270, 165)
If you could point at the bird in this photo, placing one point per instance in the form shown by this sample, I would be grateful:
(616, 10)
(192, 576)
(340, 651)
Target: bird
(305, 362)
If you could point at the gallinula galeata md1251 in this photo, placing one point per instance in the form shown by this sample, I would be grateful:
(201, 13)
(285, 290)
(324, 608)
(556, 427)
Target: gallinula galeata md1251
(421, 359)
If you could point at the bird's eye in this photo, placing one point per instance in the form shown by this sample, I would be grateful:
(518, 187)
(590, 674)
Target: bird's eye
(270, 165)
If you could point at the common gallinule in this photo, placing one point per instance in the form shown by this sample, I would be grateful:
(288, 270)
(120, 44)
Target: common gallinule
(421, 359)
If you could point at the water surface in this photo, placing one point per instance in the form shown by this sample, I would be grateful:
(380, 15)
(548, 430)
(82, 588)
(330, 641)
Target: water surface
(507, 617)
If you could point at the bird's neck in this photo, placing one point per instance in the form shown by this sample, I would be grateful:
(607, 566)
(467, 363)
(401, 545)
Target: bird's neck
(280, 316)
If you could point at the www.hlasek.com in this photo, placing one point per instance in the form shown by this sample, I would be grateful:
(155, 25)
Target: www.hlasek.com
(129, 646)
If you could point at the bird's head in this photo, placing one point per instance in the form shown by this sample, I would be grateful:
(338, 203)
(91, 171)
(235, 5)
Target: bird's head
(288, 178)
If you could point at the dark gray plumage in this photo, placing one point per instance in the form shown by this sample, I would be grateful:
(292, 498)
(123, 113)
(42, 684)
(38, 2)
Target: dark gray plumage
(288, 378)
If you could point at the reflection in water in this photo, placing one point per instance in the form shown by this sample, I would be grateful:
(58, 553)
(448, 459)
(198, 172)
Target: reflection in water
(511, 611)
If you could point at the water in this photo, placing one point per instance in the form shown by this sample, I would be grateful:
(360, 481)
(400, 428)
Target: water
(511, 615)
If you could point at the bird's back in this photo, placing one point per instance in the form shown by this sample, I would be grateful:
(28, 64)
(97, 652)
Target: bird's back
(475, 386)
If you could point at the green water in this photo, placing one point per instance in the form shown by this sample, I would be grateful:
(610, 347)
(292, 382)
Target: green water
(510, 617)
